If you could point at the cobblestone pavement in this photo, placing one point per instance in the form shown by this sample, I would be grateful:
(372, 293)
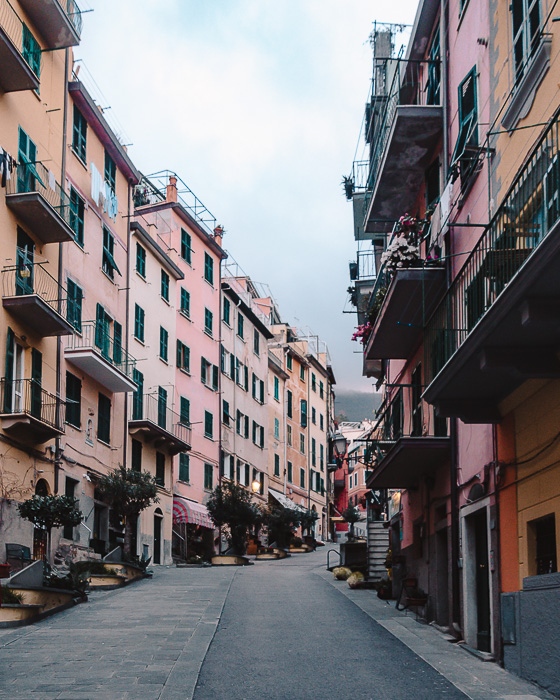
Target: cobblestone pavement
(149, 640)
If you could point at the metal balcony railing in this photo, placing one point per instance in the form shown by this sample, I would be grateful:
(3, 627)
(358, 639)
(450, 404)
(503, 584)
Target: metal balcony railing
(26, 279)
(149, 407)
(404, 414)
(25, 396)
(528, 213)
(364, 267)
(409, 83)
(74, 14)
(96, 337)
(34, 177)
(13, 27)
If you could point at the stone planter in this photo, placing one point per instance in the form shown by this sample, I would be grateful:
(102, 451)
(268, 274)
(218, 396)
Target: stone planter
(106, 582)
(229, 560)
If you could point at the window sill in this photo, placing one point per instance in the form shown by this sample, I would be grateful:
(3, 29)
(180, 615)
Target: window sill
(524, 95)
(165, 362)
(209, 437)
(108, 276)
(184, 314)
(139, 341)
(208, 333)
(79, 158)
(185, 371)
(107, 444)
(71, 425)
(142, 277)
(187, 483)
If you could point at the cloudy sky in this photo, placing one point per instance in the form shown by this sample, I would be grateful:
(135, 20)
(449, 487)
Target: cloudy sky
(257, 105)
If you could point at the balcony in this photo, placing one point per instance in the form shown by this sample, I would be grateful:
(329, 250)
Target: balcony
(404, 128)
(15, 72)
(35, 298)
(59, 21)
(100, 357)
(497, 325)
(40, 203)
(410, 299)
(28, 412)
(409, 442)
(152, 420)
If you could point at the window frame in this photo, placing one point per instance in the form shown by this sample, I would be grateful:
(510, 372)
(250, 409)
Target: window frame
(77, 215)
(73, 403)
(139, 323)
(140, 260)
(79, 135)
(165, 285)
(104, 419)
(209, 268)
(186, 246)
(163, 344)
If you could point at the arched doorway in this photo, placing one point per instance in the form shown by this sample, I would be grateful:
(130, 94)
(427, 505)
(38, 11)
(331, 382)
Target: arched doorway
(158, 527)
(39, 534)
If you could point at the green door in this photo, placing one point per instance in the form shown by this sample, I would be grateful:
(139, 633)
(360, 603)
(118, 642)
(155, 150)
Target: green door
(24, 263)
(36, 379)
(27, 157)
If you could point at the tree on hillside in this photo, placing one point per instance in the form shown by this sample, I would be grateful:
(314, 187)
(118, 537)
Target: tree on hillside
(47, 512)
(128, 492)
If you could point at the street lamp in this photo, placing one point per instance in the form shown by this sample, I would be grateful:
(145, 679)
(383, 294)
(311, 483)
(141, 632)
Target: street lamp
(255, 485)
(340, 444)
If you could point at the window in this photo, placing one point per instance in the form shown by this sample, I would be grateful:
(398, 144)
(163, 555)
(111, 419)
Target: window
(162, 407)
(140, 260)
(183, 357)
(289, 408)
(165, 285)
(226, 311)
(290, 472)
(276, 389)
(526, 22)
(226, 418)
(258, 434)
(321, 389)
(302, 477)
(208, 321)
(184, 411)
(433, 92)
(241, 375)
(302, 372)
(138, 396)
(139, 323)
(184, 467)
(208, 268)
(313, 452)
(209, 374)
(256, 341)
(77, 216)
(302, 443)
(110, 172)
(313, 416)
(73, 400)
(542, 546)
(276, 465)
(246, 477)
(104, 419)
(160, 469)
(321, 422)
(186, 249)
(322, 457)
(303, 413)
(242, 424)
(240, 325)
(136, 455)
(258, 389)
(69, 490)
(163, 344)
(108, 264)
(468, 122)
(185, 303)
(313, 381)
(79, 135)
(276, 429)
(208, 477)
(208, 425)
(289, 362)
(289, 435)
(74, 304)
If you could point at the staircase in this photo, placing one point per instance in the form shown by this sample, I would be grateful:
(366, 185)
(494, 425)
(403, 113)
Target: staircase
(378, 543)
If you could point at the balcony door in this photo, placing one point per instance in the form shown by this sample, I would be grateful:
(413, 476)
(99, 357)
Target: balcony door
(27, 157)
(14, 375)
(24, 263)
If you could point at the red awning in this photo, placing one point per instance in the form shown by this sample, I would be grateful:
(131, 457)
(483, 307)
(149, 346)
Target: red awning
(185, 511)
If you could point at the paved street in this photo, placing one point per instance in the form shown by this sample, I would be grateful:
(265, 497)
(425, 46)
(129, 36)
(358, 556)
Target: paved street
(283, 630)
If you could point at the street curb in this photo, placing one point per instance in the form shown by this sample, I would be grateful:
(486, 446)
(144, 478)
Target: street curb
(476, 679)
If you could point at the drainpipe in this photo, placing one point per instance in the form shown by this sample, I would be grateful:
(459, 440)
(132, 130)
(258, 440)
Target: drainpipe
(58, 452)
(127, 319)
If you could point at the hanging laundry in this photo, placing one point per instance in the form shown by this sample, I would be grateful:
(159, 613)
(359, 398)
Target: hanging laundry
(97, 185)
(52, 181)
(111, 205)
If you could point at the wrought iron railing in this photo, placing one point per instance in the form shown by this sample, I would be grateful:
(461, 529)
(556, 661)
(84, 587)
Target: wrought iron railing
(365, 265)
(413, 83)
(74, 14)
(96, 337)
(34, 177)
(26, 279)
(26, 396)
(403, 414)
(150, 407)
(527, 215)
(13, 27)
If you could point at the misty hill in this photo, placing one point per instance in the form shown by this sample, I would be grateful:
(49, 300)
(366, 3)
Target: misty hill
(356, 405)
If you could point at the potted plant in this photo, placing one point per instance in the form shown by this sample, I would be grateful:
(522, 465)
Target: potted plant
(232, 510)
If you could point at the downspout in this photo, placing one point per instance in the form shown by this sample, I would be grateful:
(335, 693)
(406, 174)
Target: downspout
(127, 320)
(57, 453)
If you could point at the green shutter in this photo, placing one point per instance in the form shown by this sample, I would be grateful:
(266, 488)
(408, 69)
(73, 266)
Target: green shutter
(36, 380)
(9, 371)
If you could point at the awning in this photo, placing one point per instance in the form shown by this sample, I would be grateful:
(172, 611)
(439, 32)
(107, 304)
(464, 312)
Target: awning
(185, 511)
(284, 500)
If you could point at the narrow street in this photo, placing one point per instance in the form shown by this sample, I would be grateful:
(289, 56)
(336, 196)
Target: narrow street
(282, 630)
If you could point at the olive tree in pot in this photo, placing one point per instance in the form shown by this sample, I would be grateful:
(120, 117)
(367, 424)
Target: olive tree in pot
(232, 510)
(281, 523)
(128, 492)
(47, 512)
(352, 516)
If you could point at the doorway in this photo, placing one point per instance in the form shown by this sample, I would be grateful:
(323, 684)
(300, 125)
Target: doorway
(158, 520)
(478, 614)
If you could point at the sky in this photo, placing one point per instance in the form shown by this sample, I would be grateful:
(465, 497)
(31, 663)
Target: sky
(257, 105)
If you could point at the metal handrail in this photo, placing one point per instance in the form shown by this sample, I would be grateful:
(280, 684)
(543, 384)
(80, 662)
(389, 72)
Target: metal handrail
(26, 396)
(35, 177)
(28, 279)
(12, 26)
(148, 407)
(74, 14)
(527, 214)
(94, 336)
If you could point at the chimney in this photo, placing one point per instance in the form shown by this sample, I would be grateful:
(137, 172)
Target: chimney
(218, 234)
(171, 194)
